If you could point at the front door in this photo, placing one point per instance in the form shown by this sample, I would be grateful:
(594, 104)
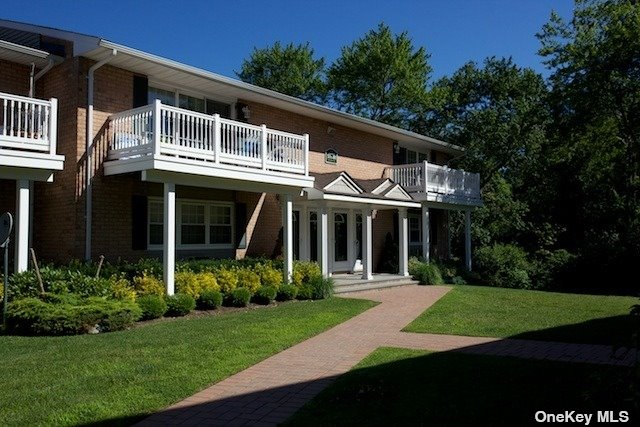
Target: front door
(341, 242)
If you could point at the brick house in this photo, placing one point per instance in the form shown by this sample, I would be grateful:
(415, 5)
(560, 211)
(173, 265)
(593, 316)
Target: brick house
(107, 150)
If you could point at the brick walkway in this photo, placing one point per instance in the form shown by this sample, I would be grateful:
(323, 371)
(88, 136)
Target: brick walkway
(272, 390)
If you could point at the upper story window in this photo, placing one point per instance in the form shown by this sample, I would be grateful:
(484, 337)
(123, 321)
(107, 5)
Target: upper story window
(416, 157)
(188, 102)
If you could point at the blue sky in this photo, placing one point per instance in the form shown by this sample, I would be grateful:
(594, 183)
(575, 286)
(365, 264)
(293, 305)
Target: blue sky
(218, 35)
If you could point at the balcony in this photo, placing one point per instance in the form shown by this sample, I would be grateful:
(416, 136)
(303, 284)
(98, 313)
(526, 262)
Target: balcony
(28, 134)
(429, 182)
(162, 137)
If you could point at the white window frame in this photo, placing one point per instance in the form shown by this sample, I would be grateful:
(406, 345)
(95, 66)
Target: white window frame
(415, 216)
(177, 91)
(208, 204)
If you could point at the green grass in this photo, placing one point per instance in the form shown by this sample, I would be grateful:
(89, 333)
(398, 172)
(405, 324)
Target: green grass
(121, 376)
(549, 316)
(410, 387)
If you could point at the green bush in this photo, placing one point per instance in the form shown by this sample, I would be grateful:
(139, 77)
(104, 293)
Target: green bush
(210, 299)
(180, 305)
(249, 280)
(239, 297)
(187, 282)
(505, 266)
(287, 293)
(304, 271)
(321, 287)
(208, 281)
(414, 265)
(265, 295)
(148, 285)
(551, 269)
(305, 292)
(429, 274)
(227, 280)
(121, 289)
(458, 280)
(152, 306)
(70, 315)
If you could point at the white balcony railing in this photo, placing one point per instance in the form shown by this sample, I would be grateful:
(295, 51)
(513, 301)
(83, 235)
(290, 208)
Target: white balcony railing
(159, 129)
(434, 179)
(28, 124)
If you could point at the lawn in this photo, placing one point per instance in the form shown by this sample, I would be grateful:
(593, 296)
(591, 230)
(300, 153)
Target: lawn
(549, 316)
(119, 377)
(409, 387)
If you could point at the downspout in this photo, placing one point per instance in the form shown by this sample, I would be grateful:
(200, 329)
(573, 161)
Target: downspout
(88, 148)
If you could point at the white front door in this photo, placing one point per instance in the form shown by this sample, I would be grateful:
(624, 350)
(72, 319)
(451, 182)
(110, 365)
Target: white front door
(341, 242)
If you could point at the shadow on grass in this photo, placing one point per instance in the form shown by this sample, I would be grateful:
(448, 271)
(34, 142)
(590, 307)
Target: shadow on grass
(614, 330)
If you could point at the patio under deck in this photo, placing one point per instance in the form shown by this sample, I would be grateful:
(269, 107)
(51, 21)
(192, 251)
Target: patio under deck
(346, 282)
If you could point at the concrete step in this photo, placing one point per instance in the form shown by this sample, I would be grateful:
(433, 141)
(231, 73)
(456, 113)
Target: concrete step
(365, 286)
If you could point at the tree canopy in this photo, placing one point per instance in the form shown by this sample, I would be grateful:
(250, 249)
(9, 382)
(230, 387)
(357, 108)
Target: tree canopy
(291, 70)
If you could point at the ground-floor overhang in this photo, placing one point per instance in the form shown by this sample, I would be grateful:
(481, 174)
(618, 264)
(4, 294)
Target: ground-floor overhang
(30, 166)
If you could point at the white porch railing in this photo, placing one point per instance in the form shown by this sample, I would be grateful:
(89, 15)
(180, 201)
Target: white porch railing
(426, 177)
(28, 124)
(197, 136)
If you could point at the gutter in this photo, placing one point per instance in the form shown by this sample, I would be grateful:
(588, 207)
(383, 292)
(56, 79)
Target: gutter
(88, 148)
(33, 78)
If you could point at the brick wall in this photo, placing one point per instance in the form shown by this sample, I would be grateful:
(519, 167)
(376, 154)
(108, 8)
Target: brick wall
(14, 78)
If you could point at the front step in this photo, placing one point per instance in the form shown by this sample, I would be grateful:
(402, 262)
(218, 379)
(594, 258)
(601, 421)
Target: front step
(380, 284)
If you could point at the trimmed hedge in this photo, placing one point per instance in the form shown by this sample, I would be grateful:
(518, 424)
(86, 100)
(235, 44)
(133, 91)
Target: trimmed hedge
(180, 305)
(239, 297)
(152, 306)
(265, 295)
(69, 315)
(210, 299)
(287, 293)
(321, 287)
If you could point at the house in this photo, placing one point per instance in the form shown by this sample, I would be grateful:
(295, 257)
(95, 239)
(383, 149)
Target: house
(108, 150)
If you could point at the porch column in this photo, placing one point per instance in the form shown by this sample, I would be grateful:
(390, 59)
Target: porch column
(403, 243)
(367, 252)
(425, 233)
(467, 239)
(169, 249)
(323, 240)
(287, 236)
(22, 225)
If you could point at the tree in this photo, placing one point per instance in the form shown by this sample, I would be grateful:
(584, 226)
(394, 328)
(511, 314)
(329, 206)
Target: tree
(381, 77)
(595, 64)
(291, 70)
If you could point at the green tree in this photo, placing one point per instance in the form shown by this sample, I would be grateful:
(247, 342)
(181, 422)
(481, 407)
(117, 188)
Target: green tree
(381, 77)
(291, 70)
(595, 64)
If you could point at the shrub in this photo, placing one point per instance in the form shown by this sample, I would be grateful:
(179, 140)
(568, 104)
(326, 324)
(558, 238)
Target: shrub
(210, 299)
(227, 280)
(23, 285)
(414, 265)
(287, 293)
(121, 289)
(151, 267)
(148, 285)
(187, 282)
(249, 280)
(208, 281)
(321, 287)
(504, 266)
(304, 271)
(551, 269)
(265, 295)
(269, 276)
(70, 315)
(238, 297)
(458, 280)
(429, 274)
(180, 305)
(305, 292)
(152, 306)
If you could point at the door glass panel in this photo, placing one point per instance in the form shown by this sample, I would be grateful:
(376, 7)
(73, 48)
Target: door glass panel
(358, 236)
(313, 236)
(296, 235)
(341, 243)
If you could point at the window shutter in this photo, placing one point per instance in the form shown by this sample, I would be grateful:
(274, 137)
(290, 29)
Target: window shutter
(140, 91)
(138, 223)
(241, 225)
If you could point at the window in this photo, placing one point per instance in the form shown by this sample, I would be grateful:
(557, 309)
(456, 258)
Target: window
(156, 219)
(165, 96)
(221, 108)
(220, 225)
(200, 224)
(414, 229)
(191, 103)
(192, 225)
(416, 157)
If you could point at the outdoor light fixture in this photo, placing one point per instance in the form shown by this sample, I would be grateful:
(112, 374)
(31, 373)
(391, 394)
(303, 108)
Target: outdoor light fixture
(396, 148)
(330, 130)
(246, 112)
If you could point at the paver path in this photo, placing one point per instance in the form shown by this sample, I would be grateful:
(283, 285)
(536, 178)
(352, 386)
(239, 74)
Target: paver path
(269, 392)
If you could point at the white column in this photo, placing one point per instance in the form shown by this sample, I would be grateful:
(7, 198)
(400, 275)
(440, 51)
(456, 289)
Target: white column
(425, 233)
(22, 225)
(467, 239)
(169, 250)
(367, 252)
(323, 240)
(287, 236)
(403, 242)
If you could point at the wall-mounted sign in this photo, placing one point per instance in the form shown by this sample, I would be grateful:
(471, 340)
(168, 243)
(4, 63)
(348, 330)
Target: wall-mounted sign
(331, 156)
